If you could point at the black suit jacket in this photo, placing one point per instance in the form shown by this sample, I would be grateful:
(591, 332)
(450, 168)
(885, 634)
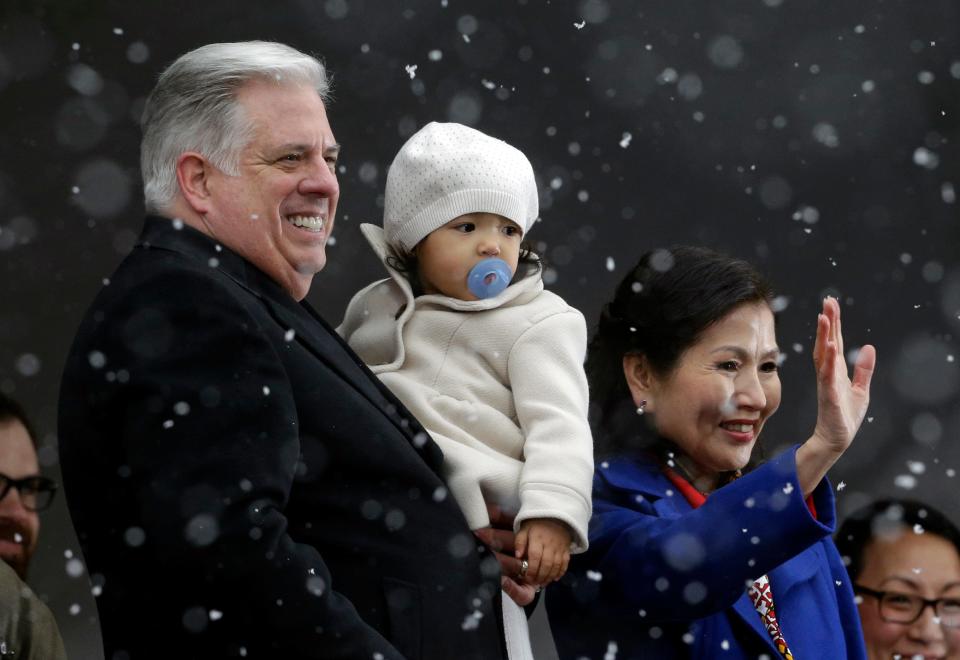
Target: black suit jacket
(243, 486)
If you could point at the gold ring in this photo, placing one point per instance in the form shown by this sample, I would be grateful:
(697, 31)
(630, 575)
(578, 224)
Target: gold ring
(524, 565)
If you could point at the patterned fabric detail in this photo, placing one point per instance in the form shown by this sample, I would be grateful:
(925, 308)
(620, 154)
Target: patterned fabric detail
(762, 598)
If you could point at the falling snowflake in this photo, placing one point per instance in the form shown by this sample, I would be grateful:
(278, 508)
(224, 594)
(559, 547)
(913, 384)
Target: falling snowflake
(611, 653)
(411, 70)
(74, 568)
(926, 158)
(472, 620)
(580, 25)
(905, 481)
(916, 467)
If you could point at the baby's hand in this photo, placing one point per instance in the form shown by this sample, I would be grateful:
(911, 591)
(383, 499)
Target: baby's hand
(546, 545)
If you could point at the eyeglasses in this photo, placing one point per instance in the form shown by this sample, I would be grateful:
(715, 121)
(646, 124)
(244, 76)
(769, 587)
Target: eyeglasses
(896, 607)
(36, 492)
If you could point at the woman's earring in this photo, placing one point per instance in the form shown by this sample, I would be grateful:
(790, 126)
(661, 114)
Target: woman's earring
(642, 408)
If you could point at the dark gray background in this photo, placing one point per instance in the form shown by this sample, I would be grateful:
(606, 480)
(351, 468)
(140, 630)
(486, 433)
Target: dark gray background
(817, 139)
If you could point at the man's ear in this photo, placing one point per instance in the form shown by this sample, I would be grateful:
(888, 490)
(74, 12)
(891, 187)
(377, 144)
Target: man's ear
(640, 379)
(193, 175)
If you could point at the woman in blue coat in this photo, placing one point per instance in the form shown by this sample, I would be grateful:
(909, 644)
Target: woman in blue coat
(695, 551)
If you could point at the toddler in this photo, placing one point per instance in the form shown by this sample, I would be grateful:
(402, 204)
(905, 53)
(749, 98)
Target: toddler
(465, 335)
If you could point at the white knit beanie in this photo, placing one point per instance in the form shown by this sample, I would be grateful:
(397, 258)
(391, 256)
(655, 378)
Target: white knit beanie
(446, 170)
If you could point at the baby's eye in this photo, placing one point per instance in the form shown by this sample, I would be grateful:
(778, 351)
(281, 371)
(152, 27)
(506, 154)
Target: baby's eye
(465, 227)
(510, 230)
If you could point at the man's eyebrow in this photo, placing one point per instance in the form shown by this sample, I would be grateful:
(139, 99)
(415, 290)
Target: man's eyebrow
(300, 147)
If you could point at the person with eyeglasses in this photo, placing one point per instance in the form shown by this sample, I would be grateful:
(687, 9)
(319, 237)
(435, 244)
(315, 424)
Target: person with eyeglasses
(23, 490)
(27, 627)
(904, 562)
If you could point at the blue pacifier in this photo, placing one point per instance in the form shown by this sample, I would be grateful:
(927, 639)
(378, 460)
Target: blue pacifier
(489, 277)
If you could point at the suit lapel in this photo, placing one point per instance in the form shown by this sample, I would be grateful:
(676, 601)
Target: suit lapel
(314, 334)
(783, 578)
(796, 570)
(309, 329)
(746, 611)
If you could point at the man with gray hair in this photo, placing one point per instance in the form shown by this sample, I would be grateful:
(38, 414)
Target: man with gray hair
(241, 485)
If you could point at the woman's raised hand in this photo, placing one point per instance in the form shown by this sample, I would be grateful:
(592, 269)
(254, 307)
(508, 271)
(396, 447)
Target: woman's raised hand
(841, 401)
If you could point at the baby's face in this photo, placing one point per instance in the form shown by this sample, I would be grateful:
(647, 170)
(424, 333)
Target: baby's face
(447, 254)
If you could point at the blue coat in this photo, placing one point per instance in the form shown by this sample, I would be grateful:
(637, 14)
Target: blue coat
(664, 580)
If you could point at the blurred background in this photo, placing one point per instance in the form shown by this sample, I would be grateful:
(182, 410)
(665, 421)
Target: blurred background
(816, 139)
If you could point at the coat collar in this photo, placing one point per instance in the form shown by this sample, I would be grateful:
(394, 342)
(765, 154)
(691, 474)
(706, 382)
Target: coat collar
(307, 326)
(641, 475)
(637, 472)
(177, 236)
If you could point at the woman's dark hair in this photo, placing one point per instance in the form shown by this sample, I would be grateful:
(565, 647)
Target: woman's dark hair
(659, 310)
(406, 264)
(889, 517)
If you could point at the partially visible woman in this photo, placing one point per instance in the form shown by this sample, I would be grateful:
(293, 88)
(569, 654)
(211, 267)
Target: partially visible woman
(904, 563)
(692, 553)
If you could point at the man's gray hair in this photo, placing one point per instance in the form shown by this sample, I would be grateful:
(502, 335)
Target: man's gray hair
(194, 108)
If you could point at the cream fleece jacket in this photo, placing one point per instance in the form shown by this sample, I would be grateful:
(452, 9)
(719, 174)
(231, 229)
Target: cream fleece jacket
(499, 385)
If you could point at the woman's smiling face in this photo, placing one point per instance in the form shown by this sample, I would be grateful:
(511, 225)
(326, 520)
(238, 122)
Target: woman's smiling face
(909, 564)
(714, 402)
